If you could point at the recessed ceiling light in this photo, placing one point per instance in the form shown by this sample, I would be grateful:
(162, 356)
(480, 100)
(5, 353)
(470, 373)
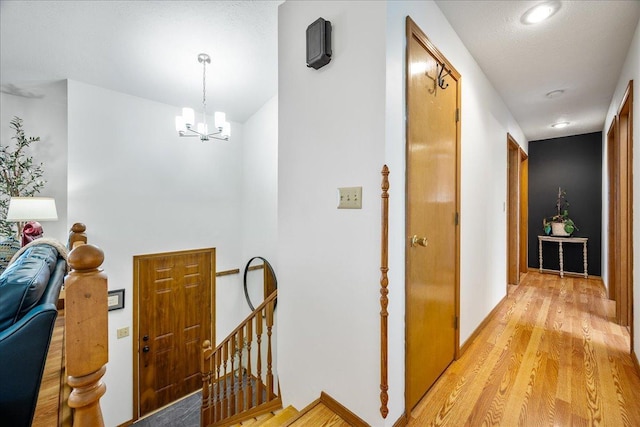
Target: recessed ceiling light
(554, 93)
(540, 12)
(560, 125)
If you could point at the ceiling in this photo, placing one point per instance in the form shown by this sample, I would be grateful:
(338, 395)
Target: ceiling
(581, 50)
(149, 49)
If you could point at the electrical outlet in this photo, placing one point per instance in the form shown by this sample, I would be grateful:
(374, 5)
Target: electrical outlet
(123, 332)
(350, 198)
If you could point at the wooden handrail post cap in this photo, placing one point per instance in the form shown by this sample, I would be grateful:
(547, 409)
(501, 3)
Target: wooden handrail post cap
(77, 235)
(78, 227)
(86, 258)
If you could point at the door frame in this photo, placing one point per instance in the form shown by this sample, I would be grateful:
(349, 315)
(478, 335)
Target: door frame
(612, 235)
(136, 314)
(513, 209)
(412, 29)
(517, 207)
(620, 233)
(524, 212)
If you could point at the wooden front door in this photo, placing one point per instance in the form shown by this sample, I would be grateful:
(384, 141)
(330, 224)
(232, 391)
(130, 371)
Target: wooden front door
(174, 293)
(432, 251)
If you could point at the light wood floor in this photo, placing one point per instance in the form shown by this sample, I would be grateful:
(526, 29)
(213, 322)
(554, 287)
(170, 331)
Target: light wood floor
(48, 406)
(551, 356)
(52, 409)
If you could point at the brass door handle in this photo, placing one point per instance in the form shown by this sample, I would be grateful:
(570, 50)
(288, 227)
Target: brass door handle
(418, 241)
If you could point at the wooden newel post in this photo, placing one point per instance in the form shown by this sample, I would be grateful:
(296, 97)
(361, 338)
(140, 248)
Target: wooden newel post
(86, 334)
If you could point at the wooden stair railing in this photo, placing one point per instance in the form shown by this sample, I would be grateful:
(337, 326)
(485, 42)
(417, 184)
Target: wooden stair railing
(238, 381)
(86, 339)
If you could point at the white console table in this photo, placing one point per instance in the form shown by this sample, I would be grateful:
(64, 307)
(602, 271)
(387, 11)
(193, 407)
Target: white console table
(560, 241)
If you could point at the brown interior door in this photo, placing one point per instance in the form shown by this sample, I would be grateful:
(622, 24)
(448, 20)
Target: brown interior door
(432, 251)
(513, 217)
(620, 226)
(175, 317)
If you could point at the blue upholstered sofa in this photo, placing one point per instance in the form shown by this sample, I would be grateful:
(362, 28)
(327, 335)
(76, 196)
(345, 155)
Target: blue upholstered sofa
(29, 291)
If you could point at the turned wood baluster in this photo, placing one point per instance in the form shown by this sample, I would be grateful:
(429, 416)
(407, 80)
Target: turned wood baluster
(249, 373)
(259, 397)
(232, 397)
(218, 388)
(241, 384)
(86, 329)
(270, 394)
(206, 370)
(384, 291)
(225, 401)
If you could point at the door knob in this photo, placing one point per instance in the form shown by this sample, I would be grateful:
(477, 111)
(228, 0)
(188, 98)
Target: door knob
(145, 349)
(418, 241)
(145, 338)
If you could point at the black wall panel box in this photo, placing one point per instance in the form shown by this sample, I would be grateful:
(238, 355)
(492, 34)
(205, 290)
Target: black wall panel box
(318, 43)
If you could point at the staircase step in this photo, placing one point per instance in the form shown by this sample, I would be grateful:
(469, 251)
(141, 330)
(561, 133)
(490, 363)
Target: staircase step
(281, 418)
(255, 422)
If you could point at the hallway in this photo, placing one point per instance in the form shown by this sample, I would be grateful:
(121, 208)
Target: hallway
(551, 355)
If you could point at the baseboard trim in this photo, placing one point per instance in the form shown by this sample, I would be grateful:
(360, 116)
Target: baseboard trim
(335, 406)
(303, 412)
(341, 410)
(402, 421)
(464, 347)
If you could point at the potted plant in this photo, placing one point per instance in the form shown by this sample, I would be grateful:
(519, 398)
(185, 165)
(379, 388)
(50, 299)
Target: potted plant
(560, 224)
(19, 174)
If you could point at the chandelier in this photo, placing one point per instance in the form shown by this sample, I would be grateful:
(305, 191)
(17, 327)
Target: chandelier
(185, 122)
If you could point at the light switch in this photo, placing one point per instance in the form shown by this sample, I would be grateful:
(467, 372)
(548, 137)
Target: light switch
(123, 332)
(350, 198)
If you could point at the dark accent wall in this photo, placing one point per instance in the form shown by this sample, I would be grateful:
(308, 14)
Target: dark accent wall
(575, 164)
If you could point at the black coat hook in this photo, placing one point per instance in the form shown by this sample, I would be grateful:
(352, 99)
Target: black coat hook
(441, 81)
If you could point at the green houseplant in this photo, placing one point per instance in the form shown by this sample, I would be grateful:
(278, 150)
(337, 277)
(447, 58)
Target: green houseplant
(19, 175)
(560, 224)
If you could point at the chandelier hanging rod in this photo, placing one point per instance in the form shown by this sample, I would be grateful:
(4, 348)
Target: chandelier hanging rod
(185, 122)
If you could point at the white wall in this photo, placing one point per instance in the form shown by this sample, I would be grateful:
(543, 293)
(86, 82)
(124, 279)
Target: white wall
(331, 135)
(630, 71)
(141, 189)
(485, 124)
(257, 232)
(260, 183)
(43, 108)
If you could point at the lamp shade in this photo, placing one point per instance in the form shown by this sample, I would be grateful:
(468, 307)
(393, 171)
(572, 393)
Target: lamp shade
(32, 209)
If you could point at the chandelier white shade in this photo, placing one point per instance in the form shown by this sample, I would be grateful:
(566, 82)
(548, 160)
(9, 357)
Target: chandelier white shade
(186, 123)
(32, 209)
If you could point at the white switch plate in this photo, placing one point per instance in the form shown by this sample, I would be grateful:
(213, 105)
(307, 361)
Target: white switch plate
(350, 198)
(123, 332)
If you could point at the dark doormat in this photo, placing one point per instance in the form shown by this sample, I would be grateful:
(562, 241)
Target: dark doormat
(183, 413)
